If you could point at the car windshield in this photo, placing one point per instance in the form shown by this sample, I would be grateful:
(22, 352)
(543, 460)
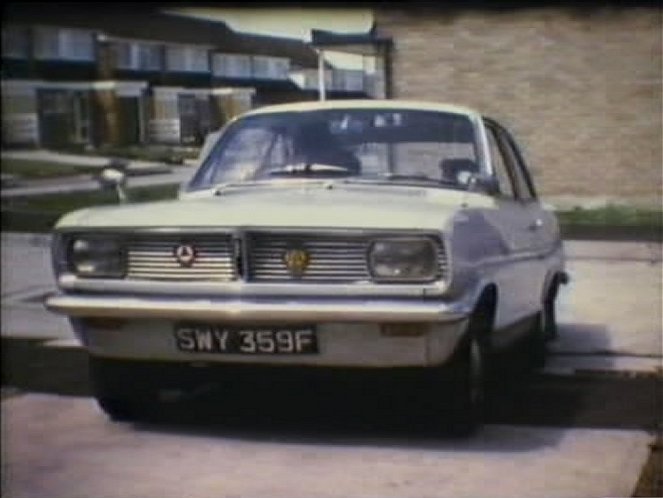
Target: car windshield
(379, 145)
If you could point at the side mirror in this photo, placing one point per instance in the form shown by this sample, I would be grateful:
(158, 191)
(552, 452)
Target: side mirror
(112, 178)
(486, 184)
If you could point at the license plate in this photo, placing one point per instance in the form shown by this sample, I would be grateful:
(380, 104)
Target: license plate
(203, 338)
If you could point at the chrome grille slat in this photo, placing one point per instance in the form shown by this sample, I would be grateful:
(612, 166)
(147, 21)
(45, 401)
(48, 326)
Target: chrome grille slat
(333, 258)
(154, 258)
(341, 259)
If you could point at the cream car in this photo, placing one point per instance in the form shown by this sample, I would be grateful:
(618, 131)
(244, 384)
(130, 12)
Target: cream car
(404, 237)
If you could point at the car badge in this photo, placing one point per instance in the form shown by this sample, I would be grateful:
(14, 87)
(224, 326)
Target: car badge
(297, 261)
(185, 254)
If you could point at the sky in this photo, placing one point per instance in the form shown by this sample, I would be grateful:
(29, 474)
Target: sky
(293, 22)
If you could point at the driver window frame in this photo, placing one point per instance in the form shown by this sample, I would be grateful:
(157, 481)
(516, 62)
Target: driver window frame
(496, 146)
(521, 181)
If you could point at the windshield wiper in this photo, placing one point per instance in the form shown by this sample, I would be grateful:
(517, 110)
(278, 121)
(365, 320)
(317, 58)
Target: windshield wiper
(407, 180)
(421, 178)
(221, 186)
(310, 169)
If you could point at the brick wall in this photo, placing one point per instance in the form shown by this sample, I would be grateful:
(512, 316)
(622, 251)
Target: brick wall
(581, 91)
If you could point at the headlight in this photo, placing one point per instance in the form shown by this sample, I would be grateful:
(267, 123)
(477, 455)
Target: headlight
(413, 259)
(95, 256)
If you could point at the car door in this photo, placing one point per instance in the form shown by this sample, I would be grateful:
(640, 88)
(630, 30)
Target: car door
(544, 227)
(518, 219)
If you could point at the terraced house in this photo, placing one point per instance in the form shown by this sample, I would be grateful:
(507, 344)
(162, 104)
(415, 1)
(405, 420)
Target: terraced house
(580, 82)
(90, 75)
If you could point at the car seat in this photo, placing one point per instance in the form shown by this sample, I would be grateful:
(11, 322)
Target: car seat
(458, 171)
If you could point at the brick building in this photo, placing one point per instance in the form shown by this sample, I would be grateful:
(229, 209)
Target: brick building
(581, 86)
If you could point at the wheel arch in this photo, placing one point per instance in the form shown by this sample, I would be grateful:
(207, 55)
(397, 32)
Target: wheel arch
(552, 283)
(485, 310)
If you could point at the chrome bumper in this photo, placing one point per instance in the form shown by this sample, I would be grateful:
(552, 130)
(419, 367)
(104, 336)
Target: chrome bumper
(259, 310)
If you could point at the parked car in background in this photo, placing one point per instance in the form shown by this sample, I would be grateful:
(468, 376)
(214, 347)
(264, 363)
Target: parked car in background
(364, 235)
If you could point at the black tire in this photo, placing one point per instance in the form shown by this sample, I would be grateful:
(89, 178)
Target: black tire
(550, 328)
(466, 393)
(120, 392)
(543, 330)
(535, 350)
(119, 409)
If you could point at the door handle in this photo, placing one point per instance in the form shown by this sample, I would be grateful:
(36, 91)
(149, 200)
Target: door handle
(536, 225)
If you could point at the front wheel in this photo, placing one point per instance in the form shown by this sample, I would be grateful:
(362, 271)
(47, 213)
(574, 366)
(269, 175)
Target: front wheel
(120, 393)
(550, 328)
(535, 350)
(466, 387)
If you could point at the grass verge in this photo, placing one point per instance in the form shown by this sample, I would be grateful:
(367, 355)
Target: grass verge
(156, 153)
(612, 222)
(35, 170)
(40, 213)
(612, 215)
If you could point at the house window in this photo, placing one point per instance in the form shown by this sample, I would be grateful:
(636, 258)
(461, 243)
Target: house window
(270, 68)
(232, 65)
(54, 102)
(138, 56)
(64, 44)
(15, 42)
(189, 59)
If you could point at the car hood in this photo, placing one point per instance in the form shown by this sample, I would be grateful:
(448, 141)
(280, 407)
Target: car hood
(290, 206)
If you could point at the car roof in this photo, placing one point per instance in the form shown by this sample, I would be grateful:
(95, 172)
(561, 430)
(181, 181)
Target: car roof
(365, 104)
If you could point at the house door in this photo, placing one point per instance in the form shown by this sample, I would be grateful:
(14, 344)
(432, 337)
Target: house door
(80, 126)
(64, 117)
(130, 117)
(54, 117)
(188, 118)
(196, 118)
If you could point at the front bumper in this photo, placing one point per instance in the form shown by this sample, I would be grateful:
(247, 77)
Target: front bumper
(242, 310)
(350, 331)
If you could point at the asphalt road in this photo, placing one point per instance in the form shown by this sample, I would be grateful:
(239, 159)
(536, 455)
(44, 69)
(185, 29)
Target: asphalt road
(579, 429)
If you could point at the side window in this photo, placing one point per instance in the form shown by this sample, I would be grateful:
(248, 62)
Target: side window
(524, 183)
(500, 165)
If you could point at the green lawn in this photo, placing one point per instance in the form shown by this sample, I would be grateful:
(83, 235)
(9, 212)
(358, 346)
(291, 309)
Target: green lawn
(158, 153)
(43, 169)
(612, 216)
(40, 213)
(612, 223)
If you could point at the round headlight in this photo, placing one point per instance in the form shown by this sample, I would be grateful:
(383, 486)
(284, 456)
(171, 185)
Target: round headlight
(411, 259)
(96, 257)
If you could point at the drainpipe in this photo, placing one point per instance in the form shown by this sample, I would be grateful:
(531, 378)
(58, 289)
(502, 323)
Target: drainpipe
(322, 93)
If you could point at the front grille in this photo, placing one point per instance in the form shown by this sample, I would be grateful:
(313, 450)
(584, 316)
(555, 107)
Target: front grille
(336, 259)
(332, 259)
(154, 258)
